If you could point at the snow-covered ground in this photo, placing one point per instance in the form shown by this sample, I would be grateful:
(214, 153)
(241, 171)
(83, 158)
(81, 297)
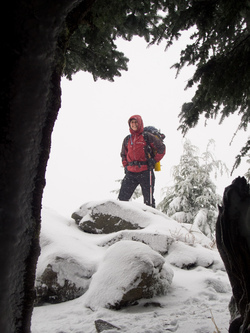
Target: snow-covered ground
(197, 301)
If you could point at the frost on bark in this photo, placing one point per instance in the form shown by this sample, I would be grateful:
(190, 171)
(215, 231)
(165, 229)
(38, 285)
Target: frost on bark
(233, 241)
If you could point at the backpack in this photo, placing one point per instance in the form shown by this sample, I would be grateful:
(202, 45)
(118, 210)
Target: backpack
(154, 131)
(148, 151)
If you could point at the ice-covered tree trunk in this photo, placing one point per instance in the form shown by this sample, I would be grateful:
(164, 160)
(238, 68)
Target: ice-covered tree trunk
(30, 99)
(233, 241)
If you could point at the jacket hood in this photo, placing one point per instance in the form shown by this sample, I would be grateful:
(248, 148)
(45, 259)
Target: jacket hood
(140, 124)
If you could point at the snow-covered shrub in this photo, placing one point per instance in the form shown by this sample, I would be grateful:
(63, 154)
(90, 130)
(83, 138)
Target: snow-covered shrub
(193, 197)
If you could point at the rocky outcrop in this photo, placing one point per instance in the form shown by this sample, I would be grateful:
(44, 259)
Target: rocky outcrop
(120, 267)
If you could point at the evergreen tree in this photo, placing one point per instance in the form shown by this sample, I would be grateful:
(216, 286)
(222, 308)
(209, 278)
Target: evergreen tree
(91, 44)
(220, 50)
(193, 199)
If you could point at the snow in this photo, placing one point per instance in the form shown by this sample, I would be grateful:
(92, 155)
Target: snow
(61, 240)
(135, 257)
(195, 301)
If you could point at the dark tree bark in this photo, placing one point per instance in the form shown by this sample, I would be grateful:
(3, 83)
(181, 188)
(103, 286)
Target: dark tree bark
(233, 241)
(32, 60)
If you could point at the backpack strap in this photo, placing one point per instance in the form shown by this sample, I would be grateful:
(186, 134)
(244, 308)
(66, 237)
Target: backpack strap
(145, 136)
(126, 139)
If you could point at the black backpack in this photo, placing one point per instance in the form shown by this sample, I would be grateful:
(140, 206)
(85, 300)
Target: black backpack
(151, 129)
(154, 131)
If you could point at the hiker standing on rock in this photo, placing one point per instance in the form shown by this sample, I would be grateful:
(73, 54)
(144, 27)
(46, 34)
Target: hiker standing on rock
(140, 152)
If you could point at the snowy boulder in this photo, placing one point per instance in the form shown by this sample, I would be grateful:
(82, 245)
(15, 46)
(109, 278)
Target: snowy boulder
(157, 242)
(141, 222)
(129, 271)
(107, 217)
(186, 256)
(59, 282)
(66, 263)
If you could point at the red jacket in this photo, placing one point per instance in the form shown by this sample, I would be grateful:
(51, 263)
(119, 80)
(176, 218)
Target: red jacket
(134, 144)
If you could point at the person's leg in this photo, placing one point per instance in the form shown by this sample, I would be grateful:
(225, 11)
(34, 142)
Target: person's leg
(147, 186)
(129, 184)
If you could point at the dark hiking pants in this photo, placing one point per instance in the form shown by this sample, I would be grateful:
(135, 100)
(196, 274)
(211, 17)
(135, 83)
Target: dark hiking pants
(132, 180)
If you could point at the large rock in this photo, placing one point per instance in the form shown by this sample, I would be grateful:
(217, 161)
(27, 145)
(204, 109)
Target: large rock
(157, 242)
(141, 222)
(62, 280)
(186, 256)
(129, 271)
(64, 267)
(106, 217)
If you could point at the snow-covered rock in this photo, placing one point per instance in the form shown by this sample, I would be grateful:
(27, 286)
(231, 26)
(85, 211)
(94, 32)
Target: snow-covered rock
(197, 298)
(107, 217)
(156, 241)
(70, 257)
(112, 216)
(129, 271)
(189, 256)
(62, 280)
(65, 265)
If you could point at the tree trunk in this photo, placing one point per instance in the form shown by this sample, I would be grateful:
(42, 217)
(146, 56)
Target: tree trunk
(30, 100)
(233, 241)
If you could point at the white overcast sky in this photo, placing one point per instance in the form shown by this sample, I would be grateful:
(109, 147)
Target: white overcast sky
(85, 159)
